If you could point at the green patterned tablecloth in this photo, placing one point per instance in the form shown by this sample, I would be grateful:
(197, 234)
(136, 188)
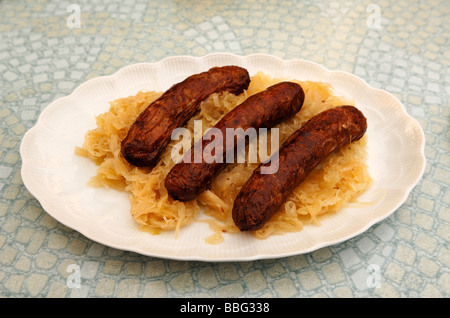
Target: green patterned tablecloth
(48, 48)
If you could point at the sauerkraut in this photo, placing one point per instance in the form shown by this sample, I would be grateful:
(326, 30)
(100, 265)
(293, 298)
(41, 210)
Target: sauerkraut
(337, 181)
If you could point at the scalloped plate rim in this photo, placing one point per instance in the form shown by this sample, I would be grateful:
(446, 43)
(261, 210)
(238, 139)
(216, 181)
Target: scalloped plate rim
(40, 195)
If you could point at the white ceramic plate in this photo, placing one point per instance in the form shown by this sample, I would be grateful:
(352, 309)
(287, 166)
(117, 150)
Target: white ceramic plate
(57, 177)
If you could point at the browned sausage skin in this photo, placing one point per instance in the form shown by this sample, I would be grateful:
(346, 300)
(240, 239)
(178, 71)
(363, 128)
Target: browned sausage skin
(266, 109)
(263, 194)
(149, 135)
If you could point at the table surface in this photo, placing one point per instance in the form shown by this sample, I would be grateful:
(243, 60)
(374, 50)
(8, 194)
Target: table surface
(48, 48)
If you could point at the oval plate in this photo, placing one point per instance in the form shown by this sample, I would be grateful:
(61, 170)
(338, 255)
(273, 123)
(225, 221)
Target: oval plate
(57, 177)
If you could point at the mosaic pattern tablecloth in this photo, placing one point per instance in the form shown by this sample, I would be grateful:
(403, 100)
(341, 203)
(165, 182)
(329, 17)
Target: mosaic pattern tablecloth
(48, 48)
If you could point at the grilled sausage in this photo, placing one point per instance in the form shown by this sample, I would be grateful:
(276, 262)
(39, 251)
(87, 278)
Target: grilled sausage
(266, 109)
(149, 135)
(263, 194)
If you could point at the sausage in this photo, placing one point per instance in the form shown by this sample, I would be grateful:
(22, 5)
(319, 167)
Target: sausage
(149, 135)
(265, 109)
(263, 194)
